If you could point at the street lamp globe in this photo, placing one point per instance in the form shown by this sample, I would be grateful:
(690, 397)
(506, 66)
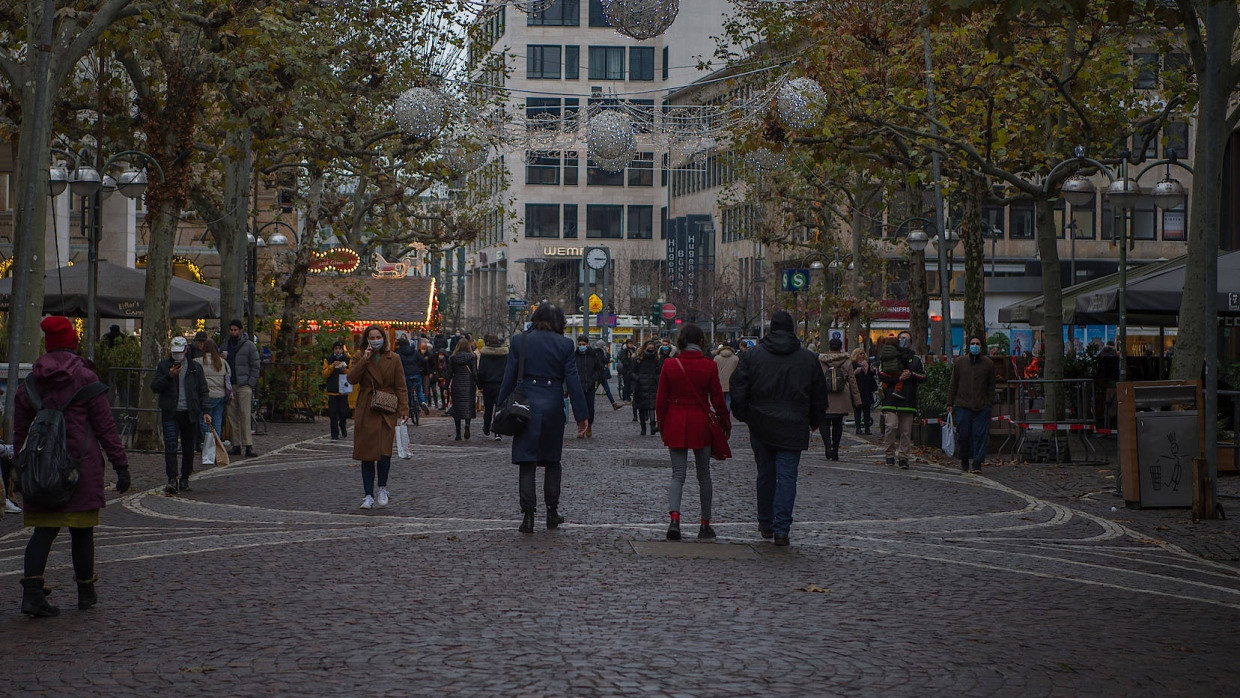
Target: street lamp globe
(85, 181)
(57, 180)
(249, 238)
(278, 239)
(1078, 190)
(109, 186)
(816, 266)
(1168, 193)
(1123, 193)
(132, 183)
(918, 240)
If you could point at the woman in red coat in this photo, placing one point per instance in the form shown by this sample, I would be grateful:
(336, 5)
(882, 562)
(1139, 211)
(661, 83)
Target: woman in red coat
(687, 383)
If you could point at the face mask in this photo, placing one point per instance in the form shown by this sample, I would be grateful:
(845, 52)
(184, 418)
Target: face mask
(581, 349)
(905, 342)
(649, 352)
(376, 344)
(975, 349)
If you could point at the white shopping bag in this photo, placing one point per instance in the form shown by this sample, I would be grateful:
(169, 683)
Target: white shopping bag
(208, 449)
(402, 442)
(949, 436)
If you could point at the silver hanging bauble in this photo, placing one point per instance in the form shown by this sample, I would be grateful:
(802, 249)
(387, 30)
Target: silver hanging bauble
(465, 157)
(532, 6)
(764, 160)
(420, 112)
(800, 103)
(611, 139)
(641, 19)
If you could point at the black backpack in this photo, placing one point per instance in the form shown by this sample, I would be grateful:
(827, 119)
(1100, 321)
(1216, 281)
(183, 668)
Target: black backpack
(46, 472)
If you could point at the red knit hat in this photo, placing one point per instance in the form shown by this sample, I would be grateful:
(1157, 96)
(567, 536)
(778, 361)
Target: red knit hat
(58, 333)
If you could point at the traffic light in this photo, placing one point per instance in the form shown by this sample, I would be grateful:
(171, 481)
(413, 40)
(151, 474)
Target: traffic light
(656, 313)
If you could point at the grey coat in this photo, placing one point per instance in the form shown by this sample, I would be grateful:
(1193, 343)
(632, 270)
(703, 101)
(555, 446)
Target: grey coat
(244, 360)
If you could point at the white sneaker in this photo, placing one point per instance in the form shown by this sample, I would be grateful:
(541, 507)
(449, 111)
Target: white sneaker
(382, 499)
(10, 507)
(368, 503)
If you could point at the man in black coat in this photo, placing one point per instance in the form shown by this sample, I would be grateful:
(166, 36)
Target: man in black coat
(590, 371)
(182, 389)
(778, 390)
(625, 361)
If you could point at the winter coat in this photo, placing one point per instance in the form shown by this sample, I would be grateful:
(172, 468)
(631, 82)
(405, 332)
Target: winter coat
(464, 385)
(848, 399)
(491, 362)
(409, 360)
(427, 362)
(779, 391)
(333, 374)
(244, 361)
(973, 383)
(726, 361)
(646, 386)
(590, 369)
(169, 388)
(907, 401)
(689, 384)
(626, 361)
(88, 426)
(218, 382)
(867, 380)
(373, 432)
(550, 372)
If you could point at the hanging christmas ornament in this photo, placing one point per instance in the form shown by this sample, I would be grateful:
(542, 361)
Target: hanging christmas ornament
(764, 160)
(800, 103)
(420, 112)
(641, 19)
(611, 140)
(465, 156)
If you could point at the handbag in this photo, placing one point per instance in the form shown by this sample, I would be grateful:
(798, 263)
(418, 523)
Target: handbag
(514, 416)
(381, 401)
(949, 436)
(719, 448)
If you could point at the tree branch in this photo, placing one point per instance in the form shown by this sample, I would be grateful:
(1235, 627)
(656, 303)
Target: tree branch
(1192, 32)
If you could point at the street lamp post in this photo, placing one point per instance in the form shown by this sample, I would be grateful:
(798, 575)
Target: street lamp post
(255, 241)
(827, 265)
(85, 181)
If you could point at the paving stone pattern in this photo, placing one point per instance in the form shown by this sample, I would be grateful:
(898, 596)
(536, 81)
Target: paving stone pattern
(266, 579)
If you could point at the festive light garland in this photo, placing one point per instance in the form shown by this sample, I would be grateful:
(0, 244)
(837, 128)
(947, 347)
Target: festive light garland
(420, 112)
(641, 19)
(612, 140)
(800, 103)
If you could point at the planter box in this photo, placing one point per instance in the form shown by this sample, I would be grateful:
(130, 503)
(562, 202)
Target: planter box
(1225, 452)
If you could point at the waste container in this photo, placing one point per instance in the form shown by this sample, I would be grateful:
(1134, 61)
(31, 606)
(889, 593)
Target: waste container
(1160, 432)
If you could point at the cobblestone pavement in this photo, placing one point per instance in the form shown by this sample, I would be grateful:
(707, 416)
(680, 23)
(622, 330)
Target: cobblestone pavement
(266, 579)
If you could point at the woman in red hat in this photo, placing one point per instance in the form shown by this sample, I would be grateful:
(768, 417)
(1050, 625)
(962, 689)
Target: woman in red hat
(56, 377)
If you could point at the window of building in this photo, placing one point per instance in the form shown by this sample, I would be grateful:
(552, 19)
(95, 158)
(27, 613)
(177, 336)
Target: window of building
(564, 13)
(1022, 220)
(992, 221)
(1175, 136)
(606, 63)
(1108, 220)
(542, 62)
(5, 198)
(665, 62)
(542, 220)
(1175, 224)
(663, 170)
(597, 18)
(642, 113)
(663, 223)
(1143, 219)
(542, 167)
(570, 221)
(598, 177)
(641, 63)
(570, 168)
(572, 62)
(1147, 137)
(641, 222)
(1086, 221)
(604, 221)
(1147, 70)
(539, 107)
(641, 170)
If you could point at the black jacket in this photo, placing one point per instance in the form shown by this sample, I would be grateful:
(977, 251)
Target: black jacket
(778, 390)
(590, 369)
(646, 370)
(410, 360)
(169, 388)
(626, 361)
(491, 363)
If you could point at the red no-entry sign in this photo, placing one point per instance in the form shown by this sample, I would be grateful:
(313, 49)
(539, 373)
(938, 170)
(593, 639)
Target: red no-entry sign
(669, 311)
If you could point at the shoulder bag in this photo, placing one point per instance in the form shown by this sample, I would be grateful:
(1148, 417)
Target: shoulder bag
(514, 415)
(719, 448)
(381, 401)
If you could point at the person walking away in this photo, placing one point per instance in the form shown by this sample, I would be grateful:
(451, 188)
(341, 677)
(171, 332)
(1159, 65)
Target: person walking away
(779, 391)
(427, 368)
(625, 363)
(182, 390)
(843, 396)
(604, 357)
(690, 384)
(590, 373)
(57, 376)
(867, 385)
(464, 386)
(491, 361)
(900, 407)
(409, 360)
(376, 370)
(646, 386)
(550, 371)
(970, 394)
(244, 364)
(726, 361)
(219, 385)
(335, 371)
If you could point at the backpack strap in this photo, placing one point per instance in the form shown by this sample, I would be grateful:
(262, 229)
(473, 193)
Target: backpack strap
(32, 394)
(89, 391)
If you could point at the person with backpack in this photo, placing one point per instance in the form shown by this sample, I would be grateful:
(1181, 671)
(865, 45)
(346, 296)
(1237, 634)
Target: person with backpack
(61, 420)
(492, 359)
(183, 395)
(842, 394)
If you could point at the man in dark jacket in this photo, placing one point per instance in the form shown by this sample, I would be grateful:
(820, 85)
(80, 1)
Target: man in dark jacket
(779, 391)
(970, 393)
(625, 363)
(590, 371)
(244, 364)
(182, 389)
(411, 362)
(491, 362)
(899, 408)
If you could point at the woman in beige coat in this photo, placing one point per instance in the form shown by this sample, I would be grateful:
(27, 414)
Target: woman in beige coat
(842, 397)
(375, 368)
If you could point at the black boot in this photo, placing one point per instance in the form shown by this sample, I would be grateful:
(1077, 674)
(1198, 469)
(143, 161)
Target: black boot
(34, 599)
(964, 464)
(527, 521)
(86, 593)
(673, 528)
(553, 518)
(249, 452)
(643, 428)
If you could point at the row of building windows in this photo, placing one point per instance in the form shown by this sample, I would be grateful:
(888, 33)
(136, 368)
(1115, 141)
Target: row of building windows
(603, 221)
(567, 13)
(552, 61)
(561, 167)
(703, 173)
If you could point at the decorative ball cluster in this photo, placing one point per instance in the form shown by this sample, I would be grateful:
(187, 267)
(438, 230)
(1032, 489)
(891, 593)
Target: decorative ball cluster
(641, 19)
(800, 103)
(765, 160)
(612, 140)
(421, 111)
(465, 157)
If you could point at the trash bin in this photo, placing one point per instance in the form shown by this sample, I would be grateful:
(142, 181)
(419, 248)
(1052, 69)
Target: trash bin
(1160, 431)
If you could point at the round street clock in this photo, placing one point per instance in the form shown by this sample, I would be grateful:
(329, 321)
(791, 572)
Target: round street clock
(596, 258)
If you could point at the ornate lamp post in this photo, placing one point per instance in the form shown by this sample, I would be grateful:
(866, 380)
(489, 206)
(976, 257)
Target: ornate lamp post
(254, 241)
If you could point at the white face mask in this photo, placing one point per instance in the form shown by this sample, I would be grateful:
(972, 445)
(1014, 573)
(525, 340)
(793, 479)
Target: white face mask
(376, 344)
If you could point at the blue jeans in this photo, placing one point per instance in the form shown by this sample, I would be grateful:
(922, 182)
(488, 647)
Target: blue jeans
(607, 391)
(215, 408)
(777, 485)
(368, 474)
(414, 386)
(972, 433)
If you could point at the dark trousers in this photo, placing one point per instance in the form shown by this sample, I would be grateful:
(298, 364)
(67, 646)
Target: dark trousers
(181, 425)
(972, 433)
(82, 548)
(338, 415)
(551, 485)
(832, 430)
(368, 474)
(626, 386)
(490, 393)
(863, 419)
(590, 403)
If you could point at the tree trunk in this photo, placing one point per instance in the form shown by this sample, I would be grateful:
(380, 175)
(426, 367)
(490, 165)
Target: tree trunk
(853, 276)
(29, 153)
(1052, 293)
(971, 230)
(231, 241)
(918, 303)
(295, 285)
